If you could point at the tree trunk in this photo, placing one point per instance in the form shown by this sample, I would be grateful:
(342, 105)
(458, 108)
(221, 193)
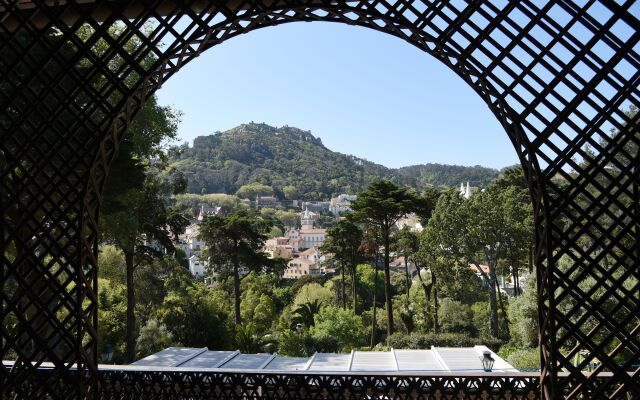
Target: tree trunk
(531, 250)
(504, 312)
(354, 289)
(427, 306)
(344, 292)
(406, 272)
(236, 293)
(427, 295)
(131, 305)
(436, 326)
(387, 287)
(375, 292)
(236, 285)
(493, 302)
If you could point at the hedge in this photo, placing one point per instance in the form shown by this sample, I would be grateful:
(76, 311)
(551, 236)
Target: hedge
(426, 340)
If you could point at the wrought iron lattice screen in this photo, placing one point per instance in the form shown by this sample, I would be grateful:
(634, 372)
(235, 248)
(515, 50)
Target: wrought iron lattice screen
(304, 385)
(561, 76)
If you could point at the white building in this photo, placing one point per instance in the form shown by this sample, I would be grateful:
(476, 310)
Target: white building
(278, 247)
(299, 267)
(307, 236)
(208, 211)
(317, 206)
(197, 267)
(312, 237)
(411, 221)
(189, 241)
(266, 201)
(342, 203)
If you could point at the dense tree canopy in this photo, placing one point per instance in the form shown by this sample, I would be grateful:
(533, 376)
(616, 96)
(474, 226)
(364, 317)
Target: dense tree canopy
(233, 243)
(343, 243)
(135, 216)
(380, 206)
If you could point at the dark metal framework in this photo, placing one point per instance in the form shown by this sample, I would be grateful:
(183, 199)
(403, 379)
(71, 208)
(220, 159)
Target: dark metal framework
(307, 385)
(561, 76)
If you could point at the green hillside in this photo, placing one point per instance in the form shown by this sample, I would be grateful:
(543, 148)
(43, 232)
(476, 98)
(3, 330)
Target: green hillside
(295, 163)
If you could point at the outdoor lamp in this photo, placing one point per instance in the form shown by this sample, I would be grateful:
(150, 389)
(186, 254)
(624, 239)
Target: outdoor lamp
(487, 361)
(107, 353)
(299, 328)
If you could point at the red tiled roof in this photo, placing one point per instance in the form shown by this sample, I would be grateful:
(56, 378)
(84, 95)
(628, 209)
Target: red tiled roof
(313, 231)
(485, 268)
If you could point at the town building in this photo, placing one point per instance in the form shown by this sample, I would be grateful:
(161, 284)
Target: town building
(506, 284)
(278, 247)
(342, 203)
(193, 246)
(299, 267)
(411, 221)
(190, 242)
(316, 206)
(208, 211)
(312, 237)
(308, 235)
(197, 267)
(266, 201)
(397, 265)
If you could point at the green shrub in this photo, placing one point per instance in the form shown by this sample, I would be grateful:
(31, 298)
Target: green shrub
(340, 324)
(456, 317)
(426, 340)
(525, 359)
(293, 344)
(400, 340)
(481, 318)
(494, 344)
(523, 312)
(153, 337)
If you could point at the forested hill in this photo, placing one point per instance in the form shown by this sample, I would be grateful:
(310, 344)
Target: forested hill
(295, 163)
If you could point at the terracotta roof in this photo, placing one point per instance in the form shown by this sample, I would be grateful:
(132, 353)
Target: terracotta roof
(309, 251)
(485, 268)
(397, 261)
(313, 230)
(309, 263)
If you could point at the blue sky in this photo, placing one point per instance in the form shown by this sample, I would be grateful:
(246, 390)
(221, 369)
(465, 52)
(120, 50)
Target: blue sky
(362, 92)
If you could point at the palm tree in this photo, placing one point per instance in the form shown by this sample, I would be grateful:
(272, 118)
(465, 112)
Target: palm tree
(248, 340)
(304, 314)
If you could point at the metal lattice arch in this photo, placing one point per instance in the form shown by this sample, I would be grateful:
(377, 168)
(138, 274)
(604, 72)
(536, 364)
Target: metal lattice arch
(562, 77)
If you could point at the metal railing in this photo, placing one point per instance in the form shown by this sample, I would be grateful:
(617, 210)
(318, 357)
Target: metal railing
(169, 383)
(180, 383)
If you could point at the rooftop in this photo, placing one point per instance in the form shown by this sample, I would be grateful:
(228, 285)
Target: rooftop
(436, 359)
